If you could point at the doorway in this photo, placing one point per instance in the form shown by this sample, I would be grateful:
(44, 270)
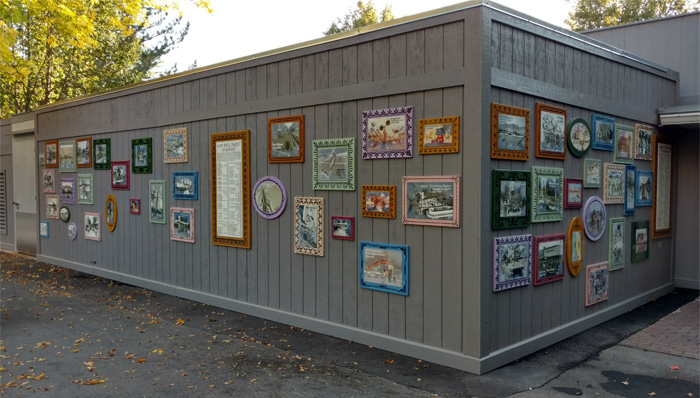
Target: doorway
(24, 187)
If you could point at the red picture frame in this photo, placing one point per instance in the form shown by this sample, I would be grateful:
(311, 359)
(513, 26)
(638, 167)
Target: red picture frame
(571, 199)
(343, 227)
(120, 175)
(549, 258)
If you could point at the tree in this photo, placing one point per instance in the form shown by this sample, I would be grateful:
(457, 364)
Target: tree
(364, 15)
(592, 14)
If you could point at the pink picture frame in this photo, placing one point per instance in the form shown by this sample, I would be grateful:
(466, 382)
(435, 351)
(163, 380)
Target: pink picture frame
(431, 200)
(597, 283)
(182, 226)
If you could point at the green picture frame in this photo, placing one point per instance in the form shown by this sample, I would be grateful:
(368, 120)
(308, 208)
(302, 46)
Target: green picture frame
(85, 189)
(547, 194)
(616, 243)
(624, 144)
(142, 156)
(157, 202)
(592, 173)
(510, 199)
(333, 164)
(67, 162)
(102, 154)
(639, 242)
(578, 137)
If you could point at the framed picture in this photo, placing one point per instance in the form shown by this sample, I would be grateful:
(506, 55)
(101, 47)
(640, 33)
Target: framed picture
(510, 199)
(64, 214)
(120, 175)
(603, 132)
(575, 245)
(142, 155)
(42, 158)
(44, 229)
(156, 201)
(72, 231)
(379, 201)
(548, 258)
(102, 154)
(616, 244)
(387, 133)
(343, 228)
(431, 201)
(230, 192)
(111, 212)
(48, 181)
(269, 197)
(630, 189)
(510, 132)
(594, 218)
(92, 226)
(135, 206)
(550, 132)
(596, 283)
(384, 267)
(547, 194)
(85, 191)
(334, 164)
(613, 183)
(84, 149)
(67, 191)
(285, 139)
(438, 136)
(51, 153)
(643, 134)
(640, 241)
(644, 188)
(175, 146)
(66, 156)
(182, 224)
(591, 173)
(573, 193)
(578, 137)
(308, 226)
(661, 220)
(52, 206)
(186, 185)
(624, 144)
(512, 262)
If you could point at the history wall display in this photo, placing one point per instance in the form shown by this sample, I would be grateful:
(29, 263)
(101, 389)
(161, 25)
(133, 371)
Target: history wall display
(663, 173)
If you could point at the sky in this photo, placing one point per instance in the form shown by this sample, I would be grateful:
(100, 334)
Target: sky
(241, 28)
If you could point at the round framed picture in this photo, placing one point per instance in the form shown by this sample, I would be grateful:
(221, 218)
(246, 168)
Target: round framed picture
(578, 137)
(64, 214)
(269, 197)
(72, 231)
(594, 218)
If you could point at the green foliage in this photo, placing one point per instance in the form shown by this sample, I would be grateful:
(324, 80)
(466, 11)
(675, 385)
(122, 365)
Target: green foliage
(364, 15)
(593, 14)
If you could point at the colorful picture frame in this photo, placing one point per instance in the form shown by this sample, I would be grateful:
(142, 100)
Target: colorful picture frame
(333, 164)
(51, 153)
(662, 205)
(175, 145)
(592, 173)
(594, 217)
(384, 267)
(44, 229)
(387, 133)
(42, 158)
(102, 154)
(573, 193)
(578, 137)
(72, 231)
(438, 136)
(575, 246)
(644, 192)
(142, 156)
(547, 194)
(378, 201)
(597, 276)
(308, 226)
(603, 132)
(510, 132)
(182, 226)
(510, 199)
(269, 197)
(135, 206)
(186, 185)
(66, 156)
(285, 139)
(431, 200)
(92, 227)
(550, 132)
(616, 243)
(624, 144)
(120, 175)
(64, 214)
(111, 212)
(67, 190)
(156, 201)
(343, 228)
(512, 262)
(48, 181)
(639, 248)
(83, 147)
(549, 258)
(613, 183)
(85, 189)
(630, 189)
(643, 139)
(52, 206)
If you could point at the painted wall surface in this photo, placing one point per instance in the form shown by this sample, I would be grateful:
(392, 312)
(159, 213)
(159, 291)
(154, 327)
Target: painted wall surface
(687, 233)
(7, 241)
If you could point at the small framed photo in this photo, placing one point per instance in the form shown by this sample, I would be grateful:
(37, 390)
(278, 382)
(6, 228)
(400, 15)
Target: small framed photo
(334, 164)
(182, 224)
(120, 175)
(111, 212)
(92, 226)
(616, 245)
(613, 183)
(603, 132)
(67, 191)
(547, 194)
(175, 146)
(72, 231)
(578, 137)
(308, 226)
(575, 246)
(142, 155)
(343, 228)
(548, 258)
(384, 267)
(64, 214)
(156, 201)
(645, 187)
(387, 133)
(84, 148)
(640, 241)
(643, 134)
(594, 218)
(44, 229)
(512, 262)
(135, 206)
(42, 159)
(510, 199)
(102, 154)
(52, 204)
(592, 173)
(66, 156)
(630, 189)
(438, 136)
(510, 132)
(48, 181)
(379, 201)
(596, 283)
(431, 201)
(550, 132)
(624, 144)
(51, 153)
(285, 139)
(85, 191)
(573, 193)
(186, 185)
(269, 197)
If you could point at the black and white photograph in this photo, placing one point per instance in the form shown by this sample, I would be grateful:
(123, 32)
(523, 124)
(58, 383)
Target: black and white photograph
(645, 182)
(513, 200)
(72, 231)
(603, 132)
(182, 224)
(175, 145)
(512, 262)
(51, 153)
(186, 185)
(617, 243)
(332, 164)
(549, 194)
(594, 218)
(511, 132)
(156, 201)
(549, 258)
(430, 200)
(92, 226)
(140, 155)
(343, 228)
(308, 226)
(614, 182)
(552, 134)
(269, 197)
(64, 214)
(85, 193)
(67, 190)
(48, 181)
(120, 175)
(52, 204)
(596, 283)
(308, 231)
(101, 154)
(83, 150)
(642, 148)
(66, 156)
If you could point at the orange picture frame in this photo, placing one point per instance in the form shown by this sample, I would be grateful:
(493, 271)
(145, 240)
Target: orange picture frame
(510, 132)
(550, 132)
(379, 201)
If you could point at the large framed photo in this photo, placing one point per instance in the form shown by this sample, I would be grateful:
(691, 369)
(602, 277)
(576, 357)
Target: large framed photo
(384, 267)
(644, 188)
(387, 133)
(52, 203)
(431, 201)
(121, 176)
(230, 189)
(573, 193)
(48, 181)
(111, 212)
(308, 226)
(613, 183)
(343, 228)
(661, 221)
(66, 156)
(67, 186)
(44, 229)
(51, 153)
(102, 154)
(575, 245)
(84, 149)
(594, 217)
(596, 283)
(438, 136)
(182, 224)
(550, 132)
(616, 244)
(91, 223)
(512, 262)
(578, 137)
(592, 173)
(175, 146)
(630, 189)
(378, 201)
(186, 185)
(269, 197)
(640, 241)
(547, 194)
(510, 199)
(510, 132)
(548, 258)
(156, 201)
(643, 134)
(603, 132)
(624, 144)
(333, 164)
(285, 139)
(142, 155)
(85, 191)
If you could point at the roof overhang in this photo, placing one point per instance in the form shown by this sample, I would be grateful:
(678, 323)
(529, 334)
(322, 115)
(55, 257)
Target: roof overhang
(684, 115)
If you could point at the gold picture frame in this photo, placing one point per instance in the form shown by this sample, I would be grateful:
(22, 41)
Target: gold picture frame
(510, 132)
(111, 212)
(662, 204)
(438, 135)
(379, 201)
(575, 246)
(285, 139)
(175, 145)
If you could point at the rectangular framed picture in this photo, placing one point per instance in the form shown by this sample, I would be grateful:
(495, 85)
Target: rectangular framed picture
(156, 201)
(547, 194)
(510, 199)
(135, 206)
(378, 201)
(592, 173)
(549, 258)
(550, 134)
(616, 245)
(52, 205)
(603, 132)
(142, 156)
(308, 226)
(387, 133)
(596, 283)
(44, 229)
(643, 134)
(333, 164)
(573, 193)
(51, 153)
(438, 136)
(186, 185)
(285, 139)
(92, 226)
(182, 224)
(102, 154)
(630, 189)
(343, 228)
(510, 132)
(48, 181)
(624, 144)
(121, 176)
(66, 156)
(67, 186)
(640, 241)
(42, 158)
(644, 188)
(84, 149)
(85, 191)
(661, 220)
(384, 267)
(512, 262)
(175, 146)
(431, 201)
(613, 183)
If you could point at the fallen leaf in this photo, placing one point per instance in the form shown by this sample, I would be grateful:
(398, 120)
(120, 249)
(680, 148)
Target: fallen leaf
(180, 321)
(626, 383)
(652, 394)
(41, 359)
(158, 351)
(130, 356)
(91, 382)
(674, 367)
(141, 360)
(43, 344)
(390, 361)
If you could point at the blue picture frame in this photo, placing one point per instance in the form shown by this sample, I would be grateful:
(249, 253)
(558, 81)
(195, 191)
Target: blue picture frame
(630, 189)
(44, 229)
(603, 132)
(379, 263)
(644, 187)
(186, 185)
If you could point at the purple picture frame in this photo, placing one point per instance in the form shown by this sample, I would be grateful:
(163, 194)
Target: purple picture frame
(512, 262)
(269, 197)
(67, 191)
(387, 133)
(594, 217)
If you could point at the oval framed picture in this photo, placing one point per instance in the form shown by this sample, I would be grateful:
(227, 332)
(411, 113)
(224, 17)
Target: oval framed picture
(111, 212)
(64, 214)
(594, 218)
(269, 197)
(578, 137)
(575, 246)
(72, 231)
